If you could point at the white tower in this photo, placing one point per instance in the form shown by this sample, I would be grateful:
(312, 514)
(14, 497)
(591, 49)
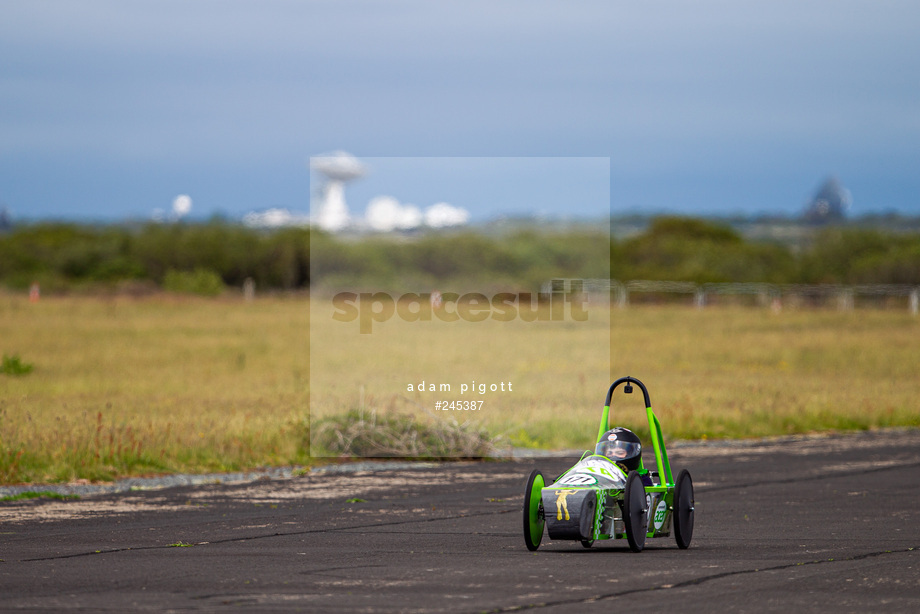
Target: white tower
(337, 168)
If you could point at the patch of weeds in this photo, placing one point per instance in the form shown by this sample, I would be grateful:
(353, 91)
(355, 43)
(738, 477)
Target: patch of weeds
(13, 365)
(369, 434)
(180, 545)
(44, 494)
(523, 439)
(356, 500)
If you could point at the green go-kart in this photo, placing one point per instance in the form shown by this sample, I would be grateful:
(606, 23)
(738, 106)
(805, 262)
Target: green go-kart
(600, 498)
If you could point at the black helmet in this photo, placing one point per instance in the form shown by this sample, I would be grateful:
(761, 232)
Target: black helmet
(621, 446)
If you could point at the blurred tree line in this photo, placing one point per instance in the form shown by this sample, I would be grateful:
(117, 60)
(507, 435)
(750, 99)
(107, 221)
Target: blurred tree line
(177, 256)
(688, 249)
(207, 257)
(520, 260)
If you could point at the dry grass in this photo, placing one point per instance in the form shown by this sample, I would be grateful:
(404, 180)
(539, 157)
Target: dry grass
(132, 386)
(748, 372)
(555, 369)
(718, 372)
(124, 386)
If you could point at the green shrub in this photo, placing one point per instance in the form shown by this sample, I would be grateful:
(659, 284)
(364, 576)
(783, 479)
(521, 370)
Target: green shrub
(13, 365)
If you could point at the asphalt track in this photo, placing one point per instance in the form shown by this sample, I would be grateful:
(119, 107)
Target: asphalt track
(822, 524)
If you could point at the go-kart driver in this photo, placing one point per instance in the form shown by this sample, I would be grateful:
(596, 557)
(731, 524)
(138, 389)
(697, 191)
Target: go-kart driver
(623, 447)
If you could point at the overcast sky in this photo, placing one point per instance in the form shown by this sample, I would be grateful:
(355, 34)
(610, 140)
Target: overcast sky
(110, 109)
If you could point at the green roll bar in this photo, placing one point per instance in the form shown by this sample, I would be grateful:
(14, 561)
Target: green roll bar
(654, 427)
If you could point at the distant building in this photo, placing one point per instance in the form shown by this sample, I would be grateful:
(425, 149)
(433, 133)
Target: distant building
(6, 220)
(829, 204)
(275, 218)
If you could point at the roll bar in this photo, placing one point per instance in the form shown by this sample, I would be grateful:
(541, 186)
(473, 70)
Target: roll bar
(628, 380)
(661, 453)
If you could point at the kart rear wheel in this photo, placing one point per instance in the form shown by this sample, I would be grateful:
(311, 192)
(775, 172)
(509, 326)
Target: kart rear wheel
(534, 519)
(683, 509)
(635, 512)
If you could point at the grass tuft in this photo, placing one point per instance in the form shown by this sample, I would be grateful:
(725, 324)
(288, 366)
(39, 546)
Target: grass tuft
(372, 434)
(43, 494)
(13, 365)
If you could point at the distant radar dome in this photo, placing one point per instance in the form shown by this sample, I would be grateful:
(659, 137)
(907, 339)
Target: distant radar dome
(6, 220)
(337, 169)
(829, 204)
(338, 165)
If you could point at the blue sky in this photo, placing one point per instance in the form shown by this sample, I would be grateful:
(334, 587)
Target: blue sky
(109, 109)
(573, 187)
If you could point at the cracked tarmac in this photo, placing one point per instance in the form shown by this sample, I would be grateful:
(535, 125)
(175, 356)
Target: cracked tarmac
(829, 524)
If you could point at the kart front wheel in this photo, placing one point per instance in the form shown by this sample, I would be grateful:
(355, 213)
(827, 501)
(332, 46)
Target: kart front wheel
(635, 512)
(587, 543)
(683, 509)
(534, 519)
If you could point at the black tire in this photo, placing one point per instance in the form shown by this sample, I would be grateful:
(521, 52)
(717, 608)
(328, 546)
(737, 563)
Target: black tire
(587, 543)
(683, 509)
(635, 512)
(534, 520)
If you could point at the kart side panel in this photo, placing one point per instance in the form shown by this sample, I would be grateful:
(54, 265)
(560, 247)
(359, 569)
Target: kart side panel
(570, 512)
(581, 504)
(659, 515)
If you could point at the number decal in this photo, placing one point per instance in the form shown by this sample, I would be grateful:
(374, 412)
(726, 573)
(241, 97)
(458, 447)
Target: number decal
(660, 512)
(578, 479)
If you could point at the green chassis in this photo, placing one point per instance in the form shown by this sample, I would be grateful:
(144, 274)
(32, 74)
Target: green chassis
(612, 513)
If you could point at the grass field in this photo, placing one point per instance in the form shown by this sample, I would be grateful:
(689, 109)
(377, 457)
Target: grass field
(125, 386)
(751, 373)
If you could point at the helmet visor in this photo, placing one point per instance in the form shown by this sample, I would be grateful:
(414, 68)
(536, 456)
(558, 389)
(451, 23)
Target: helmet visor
(618, 450)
